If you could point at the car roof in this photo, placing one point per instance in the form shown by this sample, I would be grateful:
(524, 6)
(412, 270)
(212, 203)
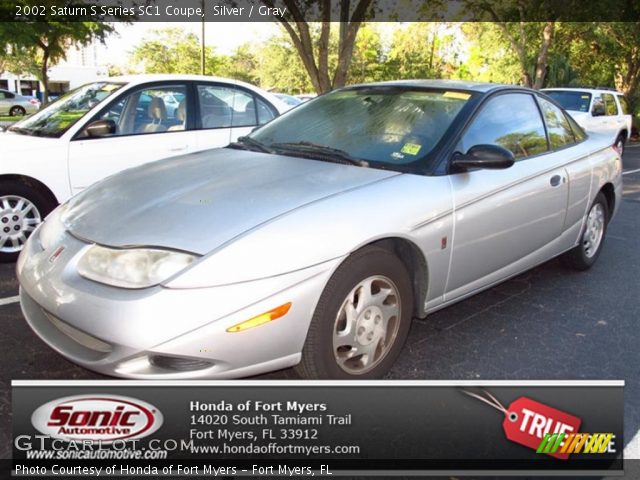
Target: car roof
(482, 87)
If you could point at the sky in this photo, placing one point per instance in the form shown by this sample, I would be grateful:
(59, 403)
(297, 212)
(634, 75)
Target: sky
(225, 37)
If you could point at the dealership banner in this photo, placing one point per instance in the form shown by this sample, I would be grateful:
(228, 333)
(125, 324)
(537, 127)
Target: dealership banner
(290, 11)
(79, 429)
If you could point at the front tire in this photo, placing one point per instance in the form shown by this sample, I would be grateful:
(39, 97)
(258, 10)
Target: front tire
(585, 254)
(362, 318)
(22, 209)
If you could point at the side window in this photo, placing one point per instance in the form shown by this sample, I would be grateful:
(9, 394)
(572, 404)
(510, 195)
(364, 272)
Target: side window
(610, 104)
(2, 96)
(560, 132)
(624, 105)
(149, 110)
(578, 132)
(511, 121)
(224, 107)
(598, 109)
(265, 113)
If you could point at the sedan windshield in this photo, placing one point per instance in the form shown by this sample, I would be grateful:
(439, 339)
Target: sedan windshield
(569, 100)
(383, 126)
(58, 117)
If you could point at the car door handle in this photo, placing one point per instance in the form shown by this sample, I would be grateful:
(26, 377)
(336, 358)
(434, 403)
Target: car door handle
(555, 180)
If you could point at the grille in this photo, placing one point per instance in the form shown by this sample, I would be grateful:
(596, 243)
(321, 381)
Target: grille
(92, 343)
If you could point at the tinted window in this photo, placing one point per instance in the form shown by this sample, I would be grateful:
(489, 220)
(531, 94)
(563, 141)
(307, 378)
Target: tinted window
(224, 107)
(558, 127)
(149, 110)
(624, 105)
(394, 126)
(610, 104)
(575, 101)
(511, 121)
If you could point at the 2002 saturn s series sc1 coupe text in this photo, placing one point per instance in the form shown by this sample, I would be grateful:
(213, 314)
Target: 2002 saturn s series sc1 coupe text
(313, 241)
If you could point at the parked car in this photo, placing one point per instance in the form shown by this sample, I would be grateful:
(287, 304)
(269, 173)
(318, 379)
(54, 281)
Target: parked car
(597, 110)
(107, 126)
(17, 105)
(289, 99)
(316, 239)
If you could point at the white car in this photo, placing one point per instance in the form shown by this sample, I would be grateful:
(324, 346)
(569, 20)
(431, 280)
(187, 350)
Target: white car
(597, 110)
(108, 126)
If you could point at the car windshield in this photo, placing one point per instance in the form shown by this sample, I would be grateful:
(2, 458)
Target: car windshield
(58, 117)
(385, 127)
(569, 100)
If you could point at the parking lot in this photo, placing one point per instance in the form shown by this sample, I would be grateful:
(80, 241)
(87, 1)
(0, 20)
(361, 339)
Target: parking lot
(549, 323)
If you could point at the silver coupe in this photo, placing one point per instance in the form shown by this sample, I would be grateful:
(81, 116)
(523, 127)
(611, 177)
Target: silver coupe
(313, 241)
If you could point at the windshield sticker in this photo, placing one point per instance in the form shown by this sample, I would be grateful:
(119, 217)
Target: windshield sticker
(411, 148)
(586, 97)
(397, 156)
(458, 95)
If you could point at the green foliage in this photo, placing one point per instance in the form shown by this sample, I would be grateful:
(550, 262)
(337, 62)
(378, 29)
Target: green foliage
(173, 50)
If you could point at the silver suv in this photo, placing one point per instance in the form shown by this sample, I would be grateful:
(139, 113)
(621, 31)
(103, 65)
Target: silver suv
(597, 110)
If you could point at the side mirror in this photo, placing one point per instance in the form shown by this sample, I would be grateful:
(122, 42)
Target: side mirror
(598, 111)
(100, 128)
(483, 156)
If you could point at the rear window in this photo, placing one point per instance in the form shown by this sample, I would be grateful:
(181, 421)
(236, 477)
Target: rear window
(570, 100)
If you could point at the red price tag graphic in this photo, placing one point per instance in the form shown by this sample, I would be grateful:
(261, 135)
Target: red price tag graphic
(526, 421)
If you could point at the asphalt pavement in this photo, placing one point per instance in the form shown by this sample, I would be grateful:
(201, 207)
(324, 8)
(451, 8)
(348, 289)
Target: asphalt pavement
(550, 323)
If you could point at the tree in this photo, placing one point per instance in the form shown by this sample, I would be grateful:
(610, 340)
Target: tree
(315, 55)
(529, 40)
(46, 43)
(173, 50)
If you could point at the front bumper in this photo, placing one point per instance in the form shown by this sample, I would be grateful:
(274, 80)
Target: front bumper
(162, 333)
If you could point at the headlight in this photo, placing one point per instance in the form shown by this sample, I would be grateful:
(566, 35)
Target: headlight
(131, 268)
(51, 230)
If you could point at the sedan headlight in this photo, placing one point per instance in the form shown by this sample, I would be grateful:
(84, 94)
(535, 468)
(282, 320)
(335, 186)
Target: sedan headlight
(131, 268)
(52, 229)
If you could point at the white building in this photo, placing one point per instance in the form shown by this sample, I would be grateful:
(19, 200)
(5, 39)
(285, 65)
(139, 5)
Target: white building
(82, 65)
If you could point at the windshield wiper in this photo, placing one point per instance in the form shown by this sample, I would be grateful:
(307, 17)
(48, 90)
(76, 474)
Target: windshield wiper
(248, 143)
(321, 151)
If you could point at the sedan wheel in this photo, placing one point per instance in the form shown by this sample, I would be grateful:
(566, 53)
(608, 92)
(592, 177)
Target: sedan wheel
(21, 211)
(17, 111)
(362, 318)
(18, 218)
(585, 254)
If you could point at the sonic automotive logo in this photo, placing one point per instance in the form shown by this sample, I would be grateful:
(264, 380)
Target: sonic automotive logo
(104, 418)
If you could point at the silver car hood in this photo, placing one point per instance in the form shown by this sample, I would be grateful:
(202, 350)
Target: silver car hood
(201, 201)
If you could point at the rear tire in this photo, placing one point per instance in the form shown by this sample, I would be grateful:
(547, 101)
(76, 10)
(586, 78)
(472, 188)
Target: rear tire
(22, 209)
(17, 111)
(362, 318)
(585, 254)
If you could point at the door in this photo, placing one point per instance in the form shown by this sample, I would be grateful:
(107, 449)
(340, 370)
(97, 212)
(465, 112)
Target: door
(504, 216)
(605, 118)
(151, 122)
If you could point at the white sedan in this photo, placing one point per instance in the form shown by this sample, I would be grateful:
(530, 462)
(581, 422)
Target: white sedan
(108, 126)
